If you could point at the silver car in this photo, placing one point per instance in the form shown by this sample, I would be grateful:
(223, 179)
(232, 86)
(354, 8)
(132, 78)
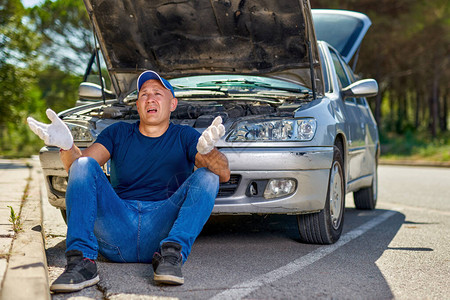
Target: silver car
(299, 131)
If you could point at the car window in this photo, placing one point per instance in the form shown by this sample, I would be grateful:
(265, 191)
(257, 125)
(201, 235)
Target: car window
(231, 80)
(340, 72)
(351, 75)
(349, 72)
(361, 101)
(344, 80)
(325, 74)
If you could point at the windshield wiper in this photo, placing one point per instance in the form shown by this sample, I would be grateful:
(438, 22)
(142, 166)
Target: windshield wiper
(211, 91)
(198, 88)
(189, 91)
(250, 84)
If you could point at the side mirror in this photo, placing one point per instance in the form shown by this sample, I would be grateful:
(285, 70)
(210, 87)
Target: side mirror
(89, 90)
(361, 88)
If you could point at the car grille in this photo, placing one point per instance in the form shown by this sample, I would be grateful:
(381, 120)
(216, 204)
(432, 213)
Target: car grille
(228, 188)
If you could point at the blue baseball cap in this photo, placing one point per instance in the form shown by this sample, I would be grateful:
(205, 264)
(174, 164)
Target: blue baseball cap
(147, 75)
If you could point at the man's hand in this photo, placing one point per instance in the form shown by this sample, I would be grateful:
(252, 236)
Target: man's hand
(55, 134)
(210, 136)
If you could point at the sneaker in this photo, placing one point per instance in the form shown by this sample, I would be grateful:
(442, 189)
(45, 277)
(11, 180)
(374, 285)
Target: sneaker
(79, 273)
(167, 264)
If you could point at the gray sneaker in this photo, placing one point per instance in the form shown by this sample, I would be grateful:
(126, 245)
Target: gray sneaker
(167, 264)
(79, 273)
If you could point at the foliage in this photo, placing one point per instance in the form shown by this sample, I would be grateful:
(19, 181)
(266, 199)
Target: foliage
(18, 95)
(17, 45)
(18, 42)
(407, 52)
(15, 220)
(33, 75)
(59, 89)
(415, 146)
(64, 24)
(44, 49)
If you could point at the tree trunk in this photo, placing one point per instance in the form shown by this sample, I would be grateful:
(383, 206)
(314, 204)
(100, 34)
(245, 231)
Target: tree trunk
(378, 99)
(391, 122)
(379, 96)
(444, 118)
(434, 104)
(425, 108)
(417, 109)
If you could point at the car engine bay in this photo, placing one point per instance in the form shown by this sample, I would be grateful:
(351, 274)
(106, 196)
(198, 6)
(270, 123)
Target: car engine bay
(200, 114)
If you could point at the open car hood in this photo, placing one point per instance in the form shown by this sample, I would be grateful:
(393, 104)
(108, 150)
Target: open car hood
(179, 38)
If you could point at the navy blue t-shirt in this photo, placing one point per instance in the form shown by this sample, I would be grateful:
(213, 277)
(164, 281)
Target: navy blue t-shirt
(147, 168)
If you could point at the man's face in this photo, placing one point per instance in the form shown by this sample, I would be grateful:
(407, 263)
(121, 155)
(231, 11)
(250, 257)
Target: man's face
(155, 103)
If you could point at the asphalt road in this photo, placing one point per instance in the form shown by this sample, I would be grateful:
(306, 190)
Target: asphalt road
(400, 250)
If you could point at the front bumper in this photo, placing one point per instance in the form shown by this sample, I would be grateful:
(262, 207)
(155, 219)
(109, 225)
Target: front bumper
(309, 167)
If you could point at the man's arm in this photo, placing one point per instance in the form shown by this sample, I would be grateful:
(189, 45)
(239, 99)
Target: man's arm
(208, 156)
(216, 162)
(58, 134)
(96, 151)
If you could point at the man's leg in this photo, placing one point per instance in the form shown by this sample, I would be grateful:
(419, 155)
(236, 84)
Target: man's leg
(195, 200)
(87, 192)
(87, 187)
(190, 208)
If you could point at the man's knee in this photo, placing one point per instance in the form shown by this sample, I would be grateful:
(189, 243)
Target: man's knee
(208, 180)
(83, 167)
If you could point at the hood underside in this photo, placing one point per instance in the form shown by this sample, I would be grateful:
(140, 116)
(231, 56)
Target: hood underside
(177, 38)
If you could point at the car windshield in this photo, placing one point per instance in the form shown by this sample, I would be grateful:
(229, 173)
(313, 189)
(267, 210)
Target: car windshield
(230, 87)
(236, 84)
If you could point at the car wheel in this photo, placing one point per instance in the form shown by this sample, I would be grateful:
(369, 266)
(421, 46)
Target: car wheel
(64, 214)
(325, 227)
(366, 198)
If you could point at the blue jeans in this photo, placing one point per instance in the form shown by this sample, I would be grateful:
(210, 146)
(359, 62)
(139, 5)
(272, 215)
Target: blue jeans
(132, 230)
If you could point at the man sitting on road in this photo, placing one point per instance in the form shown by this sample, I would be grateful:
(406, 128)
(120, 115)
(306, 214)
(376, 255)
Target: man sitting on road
(155, 207)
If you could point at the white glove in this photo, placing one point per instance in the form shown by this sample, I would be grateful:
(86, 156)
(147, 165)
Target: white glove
(55, 134)
(210, 136)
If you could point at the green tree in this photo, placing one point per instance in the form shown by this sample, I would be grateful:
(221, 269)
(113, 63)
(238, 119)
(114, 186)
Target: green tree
(18, 94)
(66, 31)
(36, 71)
(67, 46)
(407, 52)
(58, 88)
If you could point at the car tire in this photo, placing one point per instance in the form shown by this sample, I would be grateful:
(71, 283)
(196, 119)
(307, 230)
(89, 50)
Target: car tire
(366, 198)
(64, 214)
(325, 227)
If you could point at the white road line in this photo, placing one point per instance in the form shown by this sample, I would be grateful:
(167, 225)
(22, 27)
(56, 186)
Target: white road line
(241, 290)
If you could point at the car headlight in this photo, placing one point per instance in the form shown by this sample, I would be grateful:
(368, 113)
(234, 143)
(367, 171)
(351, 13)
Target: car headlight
(279, 187)
(274, 130)
(59, 183)
(81, 132)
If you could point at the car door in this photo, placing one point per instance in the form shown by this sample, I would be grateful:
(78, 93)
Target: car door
(354, 124)
(370, 136)
(368, 126)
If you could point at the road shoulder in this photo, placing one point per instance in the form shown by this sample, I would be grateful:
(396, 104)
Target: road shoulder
(26, 275)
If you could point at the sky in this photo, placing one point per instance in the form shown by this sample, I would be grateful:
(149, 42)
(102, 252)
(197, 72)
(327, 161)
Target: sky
(29, 3)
